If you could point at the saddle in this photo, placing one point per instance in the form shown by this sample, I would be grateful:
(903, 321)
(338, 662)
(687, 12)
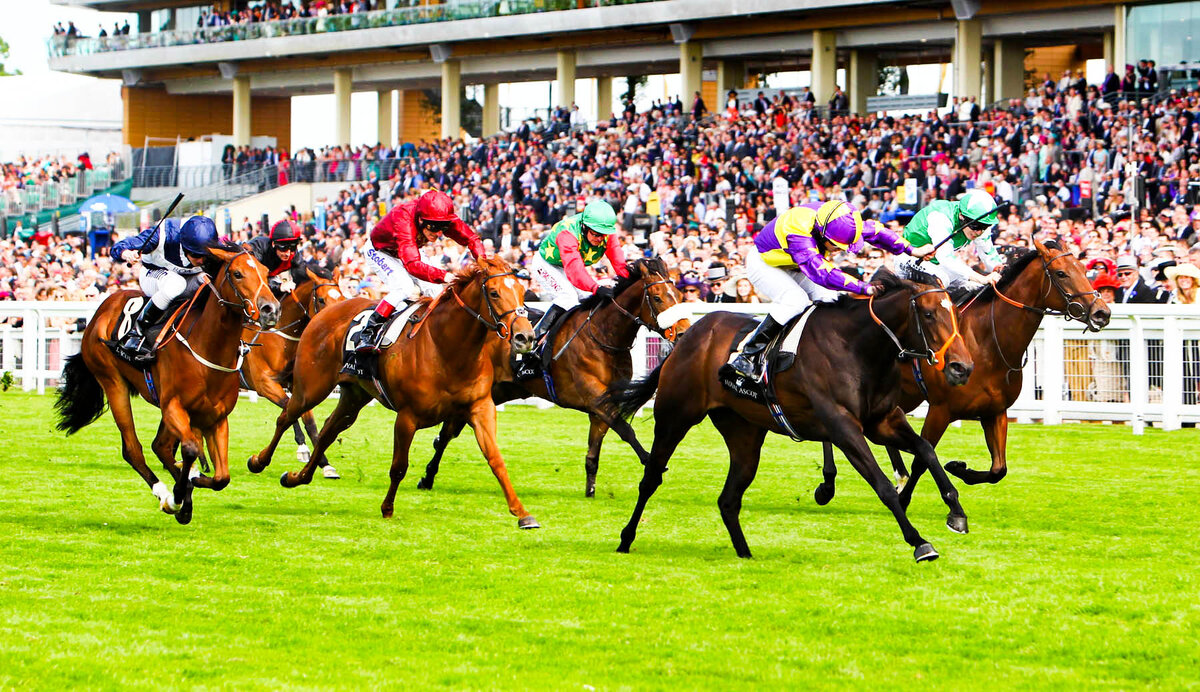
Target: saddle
(777, 357)
(527, 366)
(129, 315)
(367, 367)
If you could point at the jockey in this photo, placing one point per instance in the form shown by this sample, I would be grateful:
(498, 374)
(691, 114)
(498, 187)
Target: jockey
(573, 244)
(277, 252)
(172, 258)
(790, 264)
(965, 221)
(395, 257)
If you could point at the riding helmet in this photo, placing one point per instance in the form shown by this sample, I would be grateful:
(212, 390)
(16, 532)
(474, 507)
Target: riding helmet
(599, 216)
(978, 205)
(435, 206)
(198, 234)
(285, 232)
(841, 225)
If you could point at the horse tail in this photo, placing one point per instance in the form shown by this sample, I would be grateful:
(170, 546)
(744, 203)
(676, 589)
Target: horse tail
(627, 397)
(80, 396)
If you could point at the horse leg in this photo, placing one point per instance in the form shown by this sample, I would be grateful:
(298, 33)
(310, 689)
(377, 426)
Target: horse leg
(669, 431)
(165, 446)
(483, 422)
(218, 448)
(351, 401)
(310, 427)
(898, 467)
(591, 461)
(895, 432)
(936, 422)
(131, 448)
(995, 432)
(314, 389)
(847, 434)
(450, 430)
(745, 448)
(179, 425)
(402, 435)
(824, 492)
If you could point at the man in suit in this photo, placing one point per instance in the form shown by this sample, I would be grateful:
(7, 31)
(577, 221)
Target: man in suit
(1133, 287)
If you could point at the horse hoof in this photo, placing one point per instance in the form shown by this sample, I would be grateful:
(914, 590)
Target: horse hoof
(386, 512)
(528, 522)
(956, 468)
(901, 481)
(253, 465)
(287, 480)
(925, 553)
(822, 495)
(425, 484)
(589, 492)
(330, 473)
(184, 515)
(623, 548)
(957, 524)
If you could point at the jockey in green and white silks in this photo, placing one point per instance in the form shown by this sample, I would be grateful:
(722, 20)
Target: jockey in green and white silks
(965, 221)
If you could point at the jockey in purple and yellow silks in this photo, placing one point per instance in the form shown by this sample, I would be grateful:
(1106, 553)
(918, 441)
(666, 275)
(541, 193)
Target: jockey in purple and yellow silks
(790, 264)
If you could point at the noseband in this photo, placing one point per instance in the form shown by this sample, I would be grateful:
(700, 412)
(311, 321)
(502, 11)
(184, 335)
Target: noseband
(935, 358)
(243, 302)
(1075, 310)
(497, 323)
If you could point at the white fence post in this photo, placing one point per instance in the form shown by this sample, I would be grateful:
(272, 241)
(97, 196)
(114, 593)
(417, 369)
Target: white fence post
(30, 348)
(1172, 392)
(1139, 376)
(1052, 372)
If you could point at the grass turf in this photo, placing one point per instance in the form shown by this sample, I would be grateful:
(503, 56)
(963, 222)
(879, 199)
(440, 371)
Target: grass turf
(1080, 571)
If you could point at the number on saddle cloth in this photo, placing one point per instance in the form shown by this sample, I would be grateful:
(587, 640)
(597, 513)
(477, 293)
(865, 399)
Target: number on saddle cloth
(780, 355)
(130, 311)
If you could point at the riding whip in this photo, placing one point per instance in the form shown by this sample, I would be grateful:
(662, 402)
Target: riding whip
(178, 199)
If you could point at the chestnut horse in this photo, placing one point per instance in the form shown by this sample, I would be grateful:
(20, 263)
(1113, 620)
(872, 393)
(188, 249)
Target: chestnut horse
(268, 364)
(592, 346)
(194, 376)
(443, 370)
(999, 325)
(845, 384)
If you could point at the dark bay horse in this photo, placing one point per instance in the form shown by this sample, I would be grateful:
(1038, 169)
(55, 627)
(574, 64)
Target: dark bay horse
(268, 364)
(442, 371)
(594, 340)
(844, 385)
(195, 381)
(998, 326)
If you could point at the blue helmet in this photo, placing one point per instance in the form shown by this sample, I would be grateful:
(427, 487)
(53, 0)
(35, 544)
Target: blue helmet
(198, 234)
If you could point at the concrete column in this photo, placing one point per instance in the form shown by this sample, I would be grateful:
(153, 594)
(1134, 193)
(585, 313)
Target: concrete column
(824, 65)
(604, 99)
(144, 22)
(968, 68)
(384, 133)
(451, 98)
(863, 77)
(1008, 70)
(491, 109)
(241, 110)
(988, 86)
(691, 57)
(565, 77)
(1118, 44)
(731, 74)
(341, 97)
(1109, 48)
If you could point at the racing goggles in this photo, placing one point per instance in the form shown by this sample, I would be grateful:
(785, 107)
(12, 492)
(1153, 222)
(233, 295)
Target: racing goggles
(438, 227)
(287, 246)
(978, 225)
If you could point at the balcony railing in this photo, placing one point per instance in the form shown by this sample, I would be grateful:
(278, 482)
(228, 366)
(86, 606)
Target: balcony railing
(60, 46)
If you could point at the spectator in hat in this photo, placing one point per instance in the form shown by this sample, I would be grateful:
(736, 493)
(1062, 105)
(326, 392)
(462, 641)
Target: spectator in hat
(692, 289)
(1185, 278)
(1107, 286)
(717, 277)
(1133, 286)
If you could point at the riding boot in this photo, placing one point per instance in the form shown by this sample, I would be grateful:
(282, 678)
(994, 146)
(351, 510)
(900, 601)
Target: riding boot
(136, 344)
(371, 336)
(547, 321)
(767, 329)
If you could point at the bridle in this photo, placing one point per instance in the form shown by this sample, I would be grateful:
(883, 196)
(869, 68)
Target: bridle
(308, 310)
(497, 322)
(667, 332)
(935, 358)
(243, 303)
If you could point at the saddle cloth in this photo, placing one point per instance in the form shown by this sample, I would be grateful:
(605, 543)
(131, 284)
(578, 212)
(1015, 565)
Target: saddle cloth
(391, 332)
(780, 354)
(129, 315)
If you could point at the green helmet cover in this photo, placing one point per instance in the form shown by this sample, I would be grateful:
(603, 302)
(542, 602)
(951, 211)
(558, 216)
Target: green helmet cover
(978, 205)
(599, 216)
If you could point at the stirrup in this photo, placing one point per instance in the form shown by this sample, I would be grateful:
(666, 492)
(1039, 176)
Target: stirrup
(744, 366)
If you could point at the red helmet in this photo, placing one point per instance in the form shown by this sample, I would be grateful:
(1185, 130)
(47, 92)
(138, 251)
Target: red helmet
(285, 232)
(435, 206)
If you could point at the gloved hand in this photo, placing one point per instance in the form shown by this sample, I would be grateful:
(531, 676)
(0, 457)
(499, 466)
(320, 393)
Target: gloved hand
(131, 256)
(605, 292)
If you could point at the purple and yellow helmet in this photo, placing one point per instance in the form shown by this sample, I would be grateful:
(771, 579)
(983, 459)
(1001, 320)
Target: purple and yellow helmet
(841, 225)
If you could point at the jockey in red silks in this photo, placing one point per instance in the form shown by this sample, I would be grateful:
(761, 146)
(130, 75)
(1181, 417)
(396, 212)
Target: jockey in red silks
(395, 257)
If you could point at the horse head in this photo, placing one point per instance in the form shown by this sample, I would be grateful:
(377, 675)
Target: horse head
(503, 298)
(932, 320)
(325, 292)
(1068, 285)
(660, 303)
(241, 282)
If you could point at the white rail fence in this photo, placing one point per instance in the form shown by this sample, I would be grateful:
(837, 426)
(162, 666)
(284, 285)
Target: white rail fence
(1143, 368)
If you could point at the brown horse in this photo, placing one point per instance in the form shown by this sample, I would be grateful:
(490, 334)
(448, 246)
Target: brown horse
(194, 376)
(845, 384)
(998, 326)
(267, 366)
(592, 346)
(441, 371)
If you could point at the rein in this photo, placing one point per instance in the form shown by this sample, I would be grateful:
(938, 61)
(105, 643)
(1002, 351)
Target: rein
(502, 328)
(606, 347)
(308, 311)
(935, 358)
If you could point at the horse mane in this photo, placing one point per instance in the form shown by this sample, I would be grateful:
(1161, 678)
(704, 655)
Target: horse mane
(635, 269)
(1017, 262)
(212, 265)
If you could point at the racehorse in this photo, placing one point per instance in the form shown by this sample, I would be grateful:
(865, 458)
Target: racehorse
(591, 348)
(844, 385)
(193, 380)
(441, 369)
(271, 353)
(998, 326)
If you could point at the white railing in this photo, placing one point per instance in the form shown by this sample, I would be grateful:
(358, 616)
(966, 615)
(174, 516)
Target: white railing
(1143, 368)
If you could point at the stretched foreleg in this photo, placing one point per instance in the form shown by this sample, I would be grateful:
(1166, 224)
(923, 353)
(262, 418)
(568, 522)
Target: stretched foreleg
(893, 430)
(450, 430)
(995, 432)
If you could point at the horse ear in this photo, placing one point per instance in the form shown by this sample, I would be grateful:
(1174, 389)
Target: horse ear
(1037, 243)
(337, 274)
(312, 276)
(224, 255)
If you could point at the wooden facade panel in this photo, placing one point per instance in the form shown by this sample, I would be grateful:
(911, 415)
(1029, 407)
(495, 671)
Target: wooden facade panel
(152, 112)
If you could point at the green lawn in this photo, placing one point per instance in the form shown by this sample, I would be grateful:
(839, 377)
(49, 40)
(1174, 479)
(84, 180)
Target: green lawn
(1081, 570)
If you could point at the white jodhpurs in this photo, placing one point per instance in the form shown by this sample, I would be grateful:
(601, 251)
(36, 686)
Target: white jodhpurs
(164, 285)
(554, 279)
(788, 290)
(398, 286)
(909, 267)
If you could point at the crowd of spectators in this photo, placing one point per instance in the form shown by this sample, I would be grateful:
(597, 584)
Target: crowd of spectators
(273, 11)
(1113, 180)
